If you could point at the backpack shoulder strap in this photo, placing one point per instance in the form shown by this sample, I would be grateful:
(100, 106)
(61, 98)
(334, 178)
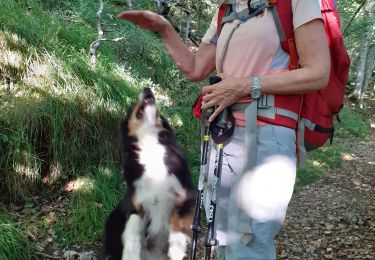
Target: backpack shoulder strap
(283, 16)
(220, 16)
(328, 6)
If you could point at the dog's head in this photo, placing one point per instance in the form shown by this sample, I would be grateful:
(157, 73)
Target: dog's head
(143, 116)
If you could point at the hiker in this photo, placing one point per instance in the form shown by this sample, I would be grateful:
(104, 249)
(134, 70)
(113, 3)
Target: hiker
(256, 183)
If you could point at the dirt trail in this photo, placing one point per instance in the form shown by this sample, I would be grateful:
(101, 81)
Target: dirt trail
(334, 218)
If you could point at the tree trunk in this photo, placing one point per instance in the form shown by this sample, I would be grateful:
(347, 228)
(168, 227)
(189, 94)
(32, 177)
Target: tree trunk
(363, 52)
(369, 68)
(130, 4)
(95, 45)
(188, 24)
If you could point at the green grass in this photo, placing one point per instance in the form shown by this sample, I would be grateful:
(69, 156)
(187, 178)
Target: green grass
(95, 196)
(54, 104)
(354, 124)
(14, 244)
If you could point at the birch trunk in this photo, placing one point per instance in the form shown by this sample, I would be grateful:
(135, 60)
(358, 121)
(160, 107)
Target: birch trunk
(363, 52)
(188, 24)
(95, 45)
(369, 68)
(130, 4)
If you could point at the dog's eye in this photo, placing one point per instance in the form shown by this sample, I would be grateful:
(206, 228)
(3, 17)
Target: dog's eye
(139, 114)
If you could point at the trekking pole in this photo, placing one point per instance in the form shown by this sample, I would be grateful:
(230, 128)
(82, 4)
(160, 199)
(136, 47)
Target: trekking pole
(196, 227)
(210, 240)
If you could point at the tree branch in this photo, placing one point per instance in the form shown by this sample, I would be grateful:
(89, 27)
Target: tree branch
(101, 30)
(95, 45)
(351, 20)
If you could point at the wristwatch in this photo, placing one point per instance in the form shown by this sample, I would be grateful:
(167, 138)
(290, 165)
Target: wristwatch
(255, 92)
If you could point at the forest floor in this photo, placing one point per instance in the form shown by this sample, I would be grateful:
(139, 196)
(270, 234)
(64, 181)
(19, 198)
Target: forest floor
(334, 218)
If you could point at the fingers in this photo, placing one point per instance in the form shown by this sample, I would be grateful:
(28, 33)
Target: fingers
(222, 76)
(206, 105)
(127, 15)
(216, 112)
(131, 15)
(208, 89)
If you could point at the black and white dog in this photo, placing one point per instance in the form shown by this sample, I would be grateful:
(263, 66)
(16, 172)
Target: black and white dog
(153, 220)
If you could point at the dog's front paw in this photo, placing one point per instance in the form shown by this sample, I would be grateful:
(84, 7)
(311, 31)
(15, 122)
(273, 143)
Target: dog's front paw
(131, 238)
(177, 245)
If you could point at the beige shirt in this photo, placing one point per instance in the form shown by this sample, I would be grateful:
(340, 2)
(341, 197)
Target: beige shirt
(254, 48)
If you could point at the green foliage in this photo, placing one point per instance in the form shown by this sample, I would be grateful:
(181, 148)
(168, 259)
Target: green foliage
(14, 244)
(354, 125)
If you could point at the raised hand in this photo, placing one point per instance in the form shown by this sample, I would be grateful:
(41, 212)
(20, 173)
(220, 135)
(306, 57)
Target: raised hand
(146, 19)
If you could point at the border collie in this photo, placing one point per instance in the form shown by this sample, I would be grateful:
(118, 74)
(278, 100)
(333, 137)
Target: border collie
(153, 220)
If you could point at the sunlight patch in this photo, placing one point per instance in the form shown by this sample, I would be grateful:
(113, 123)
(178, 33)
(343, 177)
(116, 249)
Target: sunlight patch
(125, 74)
(83, 184)
(347, 156)
(176, 120)
(106, 171)
(264, 192)
(11, 59)
(316, 163)
(28, 172)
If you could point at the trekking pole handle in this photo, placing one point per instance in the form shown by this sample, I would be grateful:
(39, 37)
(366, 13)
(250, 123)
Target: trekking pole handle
(222, 119)
(212, 80)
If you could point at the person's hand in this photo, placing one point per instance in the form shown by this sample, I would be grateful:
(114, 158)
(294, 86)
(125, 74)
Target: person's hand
(146, 19)
(223, 94)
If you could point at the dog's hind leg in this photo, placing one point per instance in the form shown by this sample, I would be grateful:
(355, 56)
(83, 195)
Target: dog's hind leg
(132, 238)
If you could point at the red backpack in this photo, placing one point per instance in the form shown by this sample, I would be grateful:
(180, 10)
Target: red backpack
(318, 108)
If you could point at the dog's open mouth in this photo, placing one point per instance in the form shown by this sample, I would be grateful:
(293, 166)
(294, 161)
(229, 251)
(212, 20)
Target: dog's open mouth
(148, 97)
(149, 106)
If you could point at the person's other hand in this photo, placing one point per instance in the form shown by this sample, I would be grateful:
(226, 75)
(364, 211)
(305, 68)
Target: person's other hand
(223, 94)
(145, 19)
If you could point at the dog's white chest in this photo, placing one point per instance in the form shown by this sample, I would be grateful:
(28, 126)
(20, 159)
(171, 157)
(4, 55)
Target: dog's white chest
(151, 156)
(155, 190)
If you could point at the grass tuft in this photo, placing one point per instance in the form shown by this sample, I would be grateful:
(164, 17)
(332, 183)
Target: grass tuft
(96, 195)
(14, 244)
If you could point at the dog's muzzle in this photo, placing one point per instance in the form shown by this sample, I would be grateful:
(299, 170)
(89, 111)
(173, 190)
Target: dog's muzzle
(149, 105)
(148, 97)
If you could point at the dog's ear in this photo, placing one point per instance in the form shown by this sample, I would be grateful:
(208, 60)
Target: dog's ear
(124, 129)
(165, 124)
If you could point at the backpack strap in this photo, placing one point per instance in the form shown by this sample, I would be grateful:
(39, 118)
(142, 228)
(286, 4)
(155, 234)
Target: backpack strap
(329, 6)
(227, 13)
(283, 16)
(220, 16)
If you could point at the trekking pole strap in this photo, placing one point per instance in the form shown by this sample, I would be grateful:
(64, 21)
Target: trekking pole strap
(251, 113)
(227, 133)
